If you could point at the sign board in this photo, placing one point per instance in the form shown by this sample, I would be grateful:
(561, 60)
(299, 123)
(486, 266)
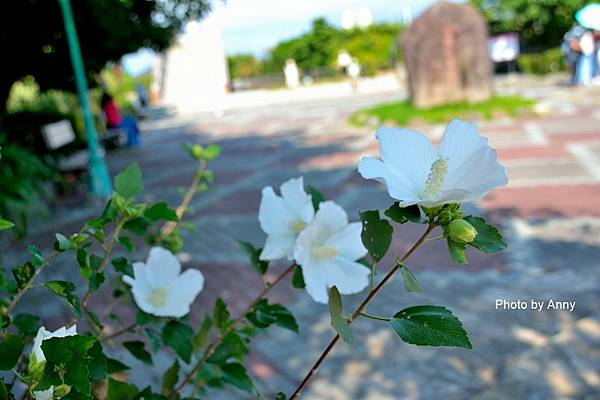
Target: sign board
(58, 134)
(504, 47)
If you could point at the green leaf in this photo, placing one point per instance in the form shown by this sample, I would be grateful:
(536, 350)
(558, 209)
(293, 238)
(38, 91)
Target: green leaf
(3, 390)
(265, 314)
(403, 215)
(170, 378)
(118, 390)
(161, 211)
(113, 366)
(127, 243)
(338, 320)
(411, 284)
(138, 350)
(457, 252)
(280, 396)
(68, 362)
(235, 374)
(96, 280)
(142, 318)
(23, 274)
(122, 265)
(137, 226)
(98, 365)
(488, 239)
(259, 265)
(211, 152)
(202, 334)
(85, 266)
(231, 346)
(298, 278)
(376, 234)
(4, 224)
(10, 350)
(316, 197)
(129, 182)
(4, 321)
(64, 289)
(62, 243)
(37, 258)
(178, 336)
(27, 324)
(430, 326)
(221, 314)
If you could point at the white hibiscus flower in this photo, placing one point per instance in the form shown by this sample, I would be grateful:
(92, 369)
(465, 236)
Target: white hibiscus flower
(463, 168)
(327, 250)
(159, 288)
(44, 334)
(283, 217)
(47, 394)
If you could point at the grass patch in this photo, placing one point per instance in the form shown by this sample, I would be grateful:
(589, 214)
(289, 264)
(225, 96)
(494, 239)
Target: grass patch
(402, 112)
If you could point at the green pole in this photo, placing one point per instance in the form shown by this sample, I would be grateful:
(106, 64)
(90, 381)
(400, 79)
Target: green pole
(100, 185)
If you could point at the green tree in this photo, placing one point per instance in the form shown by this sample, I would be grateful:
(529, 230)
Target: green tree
(541, 24)
(244, 66)
(33, 40)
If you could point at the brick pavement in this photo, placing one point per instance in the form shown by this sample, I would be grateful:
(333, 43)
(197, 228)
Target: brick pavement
(548, 212)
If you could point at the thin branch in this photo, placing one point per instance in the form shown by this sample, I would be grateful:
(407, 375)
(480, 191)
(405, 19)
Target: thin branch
(119, 332)
(29, 283)
(359, 311)
(185, 203)
(213, 346)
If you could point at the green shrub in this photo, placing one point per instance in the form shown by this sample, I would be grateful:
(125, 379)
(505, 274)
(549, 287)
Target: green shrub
(542, 63)
(23, 179)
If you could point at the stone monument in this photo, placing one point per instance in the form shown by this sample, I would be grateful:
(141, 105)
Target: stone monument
(446, 58)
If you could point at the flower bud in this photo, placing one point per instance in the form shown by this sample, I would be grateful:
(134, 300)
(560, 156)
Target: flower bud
(461, 231)
(61, 391)
(197, 151)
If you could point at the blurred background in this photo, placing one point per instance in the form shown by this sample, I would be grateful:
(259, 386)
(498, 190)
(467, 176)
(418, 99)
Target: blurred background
(299, 88)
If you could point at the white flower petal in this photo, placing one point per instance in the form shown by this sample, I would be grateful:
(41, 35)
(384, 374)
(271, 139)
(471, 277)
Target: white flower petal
(348, 242)
(316, 283)
(273, 214)
(329, 219)
(44, 334)
(278, 246)
(162, 267)
(407, 152)
(472, 164)
(186, 288)
(47, 394)
(294, 194)
(398, 186)
(350, 277)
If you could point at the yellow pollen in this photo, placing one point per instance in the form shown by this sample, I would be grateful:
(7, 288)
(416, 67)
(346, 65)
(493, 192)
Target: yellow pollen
(435, 179)
(296, 226)
(158, 297)
(324, 253)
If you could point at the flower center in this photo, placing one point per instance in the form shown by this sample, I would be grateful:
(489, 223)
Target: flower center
(435, 179)
(296, 226)
(324, 253)
(158, 297)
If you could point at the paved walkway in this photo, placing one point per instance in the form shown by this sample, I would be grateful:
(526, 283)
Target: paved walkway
(549, 214)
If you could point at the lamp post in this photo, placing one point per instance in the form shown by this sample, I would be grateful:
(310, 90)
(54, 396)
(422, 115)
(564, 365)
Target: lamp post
(100, 185)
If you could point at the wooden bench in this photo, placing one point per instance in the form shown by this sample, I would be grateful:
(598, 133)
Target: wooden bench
(56, 136)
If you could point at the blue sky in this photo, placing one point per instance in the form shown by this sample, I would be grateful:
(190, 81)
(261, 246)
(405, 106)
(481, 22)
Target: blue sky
(254, 26)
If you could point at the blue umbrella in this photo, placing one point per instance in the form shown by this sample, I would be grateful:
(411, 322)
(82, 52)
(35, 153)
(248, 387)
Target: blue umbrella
(589, 16)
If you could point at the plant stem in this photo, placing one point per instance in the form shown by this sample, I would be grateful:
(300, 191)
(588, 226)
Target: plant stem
(213, 346)
(119, 332)
(364, 314)
(29, 283)
(185, 203)
(360, 310)
(107, 252)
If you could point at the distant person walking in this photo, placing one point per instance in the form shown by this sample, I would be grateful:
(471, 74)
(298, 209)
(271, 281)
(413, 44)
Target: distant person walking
(292, 75)
(115, 120)
(343, 62)
(354, 73)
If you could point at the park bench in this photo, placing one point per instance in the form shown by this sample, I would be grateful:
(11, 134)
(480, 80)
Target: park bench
(59, 134)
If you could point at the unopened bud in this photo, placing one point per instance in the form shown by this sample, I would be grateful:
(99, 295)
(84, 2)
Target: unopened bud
(197, 151)
(61, 391)
(461, 231)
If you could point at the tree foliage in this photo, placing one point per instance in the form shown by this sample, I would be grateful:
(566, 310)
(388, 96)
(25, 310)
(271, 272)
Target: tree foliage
(541, 24)
(32, 35)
